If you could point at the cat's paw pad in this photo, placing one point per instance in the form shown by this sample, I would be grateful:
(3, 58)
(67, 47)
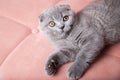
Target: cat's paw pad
(74, 74)
(51, 67)
(76, 71)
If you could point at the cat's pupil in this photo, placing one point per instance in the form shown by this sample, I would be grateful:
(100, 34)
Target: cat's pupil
(65, 18)
(51, 23)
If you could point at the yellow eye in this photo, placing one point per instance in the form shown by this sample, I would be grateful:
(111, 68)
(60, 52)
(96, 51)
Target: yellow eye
(51, 23)
(65, 18)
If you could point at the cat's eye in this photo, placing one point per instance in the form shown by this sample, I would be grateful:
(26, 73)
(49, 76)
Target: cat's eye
(65, 18)
(51, 23)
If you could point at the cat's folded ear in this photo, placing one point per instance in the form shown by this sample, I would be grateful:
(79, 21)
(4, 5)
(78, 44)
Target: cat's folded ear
(65, 6)
(41, 17)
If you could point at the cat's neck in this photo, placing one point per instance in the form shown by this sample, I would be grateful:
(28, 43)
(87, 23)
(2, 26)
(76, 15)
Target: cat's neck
(80, 26)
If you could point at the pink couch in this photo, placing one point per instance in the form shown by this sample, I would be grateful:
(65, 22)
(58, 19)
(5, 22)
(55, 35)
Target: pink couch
(24, 49)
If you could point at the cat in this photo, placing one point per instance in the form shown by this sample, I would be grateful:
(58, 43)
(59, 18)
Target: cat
(80, 37)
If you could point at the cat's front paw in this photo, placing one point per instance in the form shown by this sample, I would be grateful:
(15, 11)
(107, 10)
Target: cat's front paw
(76, 71)
(51, 67)
(74, 74)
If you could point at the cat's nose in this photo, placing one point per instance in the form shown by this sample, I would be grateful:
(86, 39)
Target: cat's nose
(61, 27)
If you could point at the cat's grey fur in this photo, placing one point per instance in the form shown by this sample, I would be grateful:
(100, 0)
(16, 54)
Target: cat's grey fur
(84, 35)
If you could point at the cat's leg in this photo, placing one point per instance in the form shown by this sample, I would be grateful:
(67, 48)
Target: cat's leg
(58, 59)
(85, 56)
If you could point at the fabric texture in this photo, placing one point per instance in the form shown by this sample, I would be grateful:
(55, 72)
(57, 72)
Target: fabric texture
(24, 49)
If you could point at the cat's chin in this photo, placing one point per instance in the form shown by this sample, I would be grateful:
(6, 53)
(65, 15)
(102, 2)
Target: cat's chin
(63, 35)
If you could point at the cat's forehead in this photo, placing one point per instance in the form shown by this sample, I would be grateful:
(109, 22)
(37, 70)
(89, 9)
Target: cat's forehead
(57, 9)
(53, 11)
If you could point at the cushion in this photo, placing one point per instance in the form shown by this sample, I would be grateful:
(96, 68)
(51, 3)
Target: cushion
(24, 49)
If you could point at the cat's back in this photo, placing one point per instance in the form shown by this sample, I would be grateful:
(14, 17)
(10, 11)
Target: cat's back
(106, 11)
(101, 5)
(105, 14)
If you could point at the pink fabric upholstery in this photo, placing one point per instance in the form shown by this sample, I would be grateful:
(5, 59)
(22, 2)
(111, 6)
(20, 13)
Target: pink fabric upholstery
(24, 49)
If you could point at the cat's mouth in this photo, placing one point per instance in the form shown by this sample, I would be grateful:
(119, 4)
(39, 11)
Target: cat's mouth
(66, 29)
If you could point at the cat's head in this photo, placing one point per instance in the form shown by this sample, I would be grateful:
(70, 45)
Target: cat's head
(57, 20)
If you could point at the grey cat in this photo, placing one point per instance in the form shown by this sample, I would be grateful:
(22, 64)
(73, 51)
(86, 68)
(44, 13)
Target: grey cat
(80, 37)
